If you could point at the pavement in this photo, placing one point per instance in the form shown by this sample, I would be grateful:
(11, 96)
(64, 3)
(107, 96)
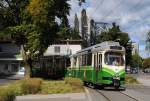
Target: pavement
(57, 97)
(9, 78)
(141, 91)
(88, 95)
(144, 80)
(54, 97)
(140, 96)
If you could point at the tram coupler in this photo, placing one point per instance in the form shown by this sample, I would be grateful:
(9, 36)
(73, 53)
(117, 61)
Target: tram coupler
(116, 82)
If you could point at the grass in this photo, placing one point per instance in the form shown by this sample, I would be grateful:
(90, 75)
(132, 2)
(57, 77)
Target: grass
(54, 87)
(69, 85)
(131, 80)
(39, 86)
(16, 86)
(7, 94)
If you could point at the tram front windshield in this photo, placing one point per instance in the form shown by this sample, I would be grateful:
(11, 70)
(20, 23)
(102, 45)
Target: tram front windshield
(114, 59)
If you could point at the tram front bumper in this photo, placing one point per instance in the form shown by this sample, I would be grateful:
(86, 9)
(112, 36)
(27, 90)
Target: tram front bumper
(116, 81)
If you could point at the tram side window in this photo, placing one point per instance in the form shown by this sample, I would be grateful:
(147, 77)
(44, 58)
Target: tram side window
(100, 61)
(89, 59)
(74, 62)
(95, 61)
(84, 57)
(80, 61)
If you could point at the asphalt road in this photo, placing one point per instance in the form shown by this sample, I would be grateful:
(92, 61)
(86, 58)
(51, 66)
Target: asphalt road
(142, 93)
(8, 79)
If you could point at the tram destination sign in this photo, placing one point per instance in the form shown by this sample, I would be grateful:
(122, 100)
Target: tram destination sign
(116, 47)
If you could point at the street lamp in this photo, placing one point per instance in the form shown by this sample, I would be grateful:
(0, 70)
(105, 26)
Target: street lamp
(138, 69)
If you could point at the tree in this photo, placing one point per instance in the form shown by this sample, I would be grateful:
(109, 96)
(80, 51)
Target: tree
(11, 12)
(81, 1)
(115, 34)
(146, 63)
(33, 25)
(136, 61)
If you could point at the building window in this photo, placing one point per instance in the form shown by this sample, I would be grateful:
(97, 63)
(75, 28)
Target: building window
(57, 49)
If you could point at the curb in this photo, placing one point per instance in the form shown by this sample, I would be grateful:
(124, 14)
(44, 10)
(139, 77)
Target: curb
(89, 98)
(73, 96)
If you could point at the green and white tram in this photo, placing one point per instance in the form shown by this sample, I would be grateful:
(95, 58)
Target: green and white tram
(102, 64)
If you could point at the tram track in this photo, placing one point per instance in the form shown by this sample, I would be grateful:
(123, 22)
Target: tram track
(129, 96)
(116, 96)
(104, 96)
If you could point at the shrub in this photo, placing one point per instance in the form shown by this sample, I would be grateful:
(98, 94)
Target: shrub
(131, 80)
(7, 94)
(31, 86)
(146, 63)
(76, 82)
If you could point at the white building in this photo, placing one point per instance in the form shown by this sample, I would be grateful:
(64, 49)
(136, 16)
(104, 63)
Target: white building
(10, 58)
(135, 48)
(56, 58)
(62, 50)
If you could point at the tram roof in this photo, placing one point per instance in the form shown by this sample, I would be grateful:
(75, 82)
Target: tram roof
(103, 45)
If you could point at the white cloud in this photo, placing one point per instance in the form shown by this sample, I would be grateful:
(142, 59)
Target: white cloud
(132, 15)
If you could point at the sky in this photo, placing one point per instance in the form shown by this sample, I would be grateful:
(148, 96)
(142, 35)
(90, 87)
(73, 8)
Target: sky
(132, 16)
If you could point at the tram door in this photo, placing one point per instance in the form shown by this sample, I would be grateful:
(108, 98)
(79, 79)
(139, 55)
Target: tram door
(98, 65)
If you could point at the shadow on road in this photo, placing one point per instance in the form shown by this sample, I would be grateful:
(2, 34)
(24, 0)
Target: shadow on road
(113, 89)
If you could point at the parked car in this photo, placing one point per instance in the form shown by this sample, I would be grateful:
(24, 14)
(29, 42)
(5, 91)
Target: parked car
(21, 71)
(128, 70)
(147, 70)
(134, 70)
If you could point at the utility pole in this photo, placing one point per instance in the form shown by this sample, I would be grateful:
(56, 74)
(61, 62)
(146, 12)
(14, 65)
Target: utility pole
(138, 69)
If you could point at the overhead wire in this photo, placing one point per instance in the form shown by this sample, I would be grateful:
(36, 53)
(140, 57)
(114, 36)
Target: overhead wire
(97, 6)
(140, 23)
(112, 10)
(139, 2)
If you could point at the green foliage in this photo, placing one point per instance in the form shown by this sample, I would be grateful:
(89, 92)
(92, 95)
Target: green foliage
(68, 33)
(146, 63)
(136, 61)
(38, 10)
(81, 1)
(74, 34)
(114, 34)
(32, 24)
(7, 94)
(31, 86)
